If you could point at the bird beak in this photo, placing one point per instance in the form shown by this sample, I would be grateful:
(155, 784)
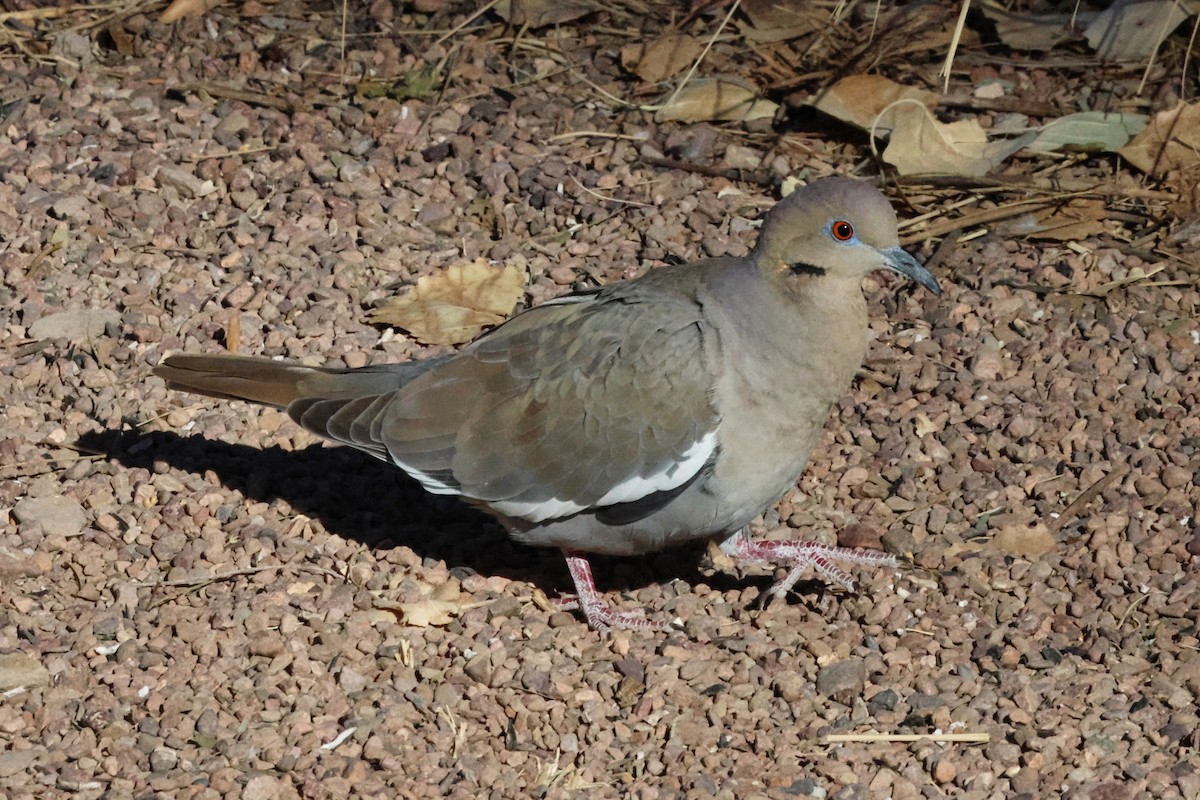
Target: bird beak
(897, 259)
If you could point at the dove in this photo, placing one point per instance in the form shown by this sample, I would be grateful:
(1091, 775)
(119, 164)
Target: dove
(642, 415)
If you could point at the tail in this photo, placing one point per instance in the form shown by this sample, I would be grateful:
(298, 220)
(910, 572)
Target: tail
(279, 383)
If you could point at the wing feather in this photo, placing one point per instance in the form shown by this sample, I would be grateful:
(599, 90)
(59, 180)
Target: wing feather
(596, 403)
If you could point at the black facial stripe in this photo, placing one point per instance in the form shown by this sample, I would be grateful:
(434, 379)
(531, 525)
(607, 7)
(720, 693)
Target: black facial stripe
(802, 268)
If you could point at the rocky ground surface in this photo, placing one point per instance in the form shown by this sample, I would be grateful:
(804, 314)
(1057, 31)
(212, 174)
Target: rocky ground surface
(197, 599)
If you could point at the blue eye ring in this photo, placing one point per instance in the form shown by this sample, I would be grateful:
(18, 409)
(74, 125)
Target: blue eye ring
(841, 230)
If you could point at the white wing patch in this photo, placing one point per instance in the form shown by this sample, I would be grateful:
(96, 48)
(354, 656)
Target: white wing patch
(632, 488)
(679, 473)
(536, 511)
(431, 484)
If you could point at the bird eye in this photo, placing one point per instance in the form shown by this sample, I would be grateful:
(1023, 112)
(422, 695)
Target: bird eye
(842, 231)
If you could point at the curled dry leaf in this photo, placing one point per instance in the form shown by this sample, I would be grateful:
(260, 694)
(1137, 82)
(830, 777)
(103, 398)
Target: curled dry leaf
(715, 99)
(921, 144)
(1028, 541)
(1131, 31)
(439, 606)
(1034, 32)
(1170, 142)
(859, 99)
(448, 591)
(665, 57)
(187, 8)
(1088, 131)
(453, 306)
(925, 425)
(122, 41)
(428, 612)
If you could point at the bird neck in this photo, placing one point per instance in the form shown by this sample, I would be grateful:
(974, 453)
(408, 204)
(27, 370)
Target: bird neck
(826, 313)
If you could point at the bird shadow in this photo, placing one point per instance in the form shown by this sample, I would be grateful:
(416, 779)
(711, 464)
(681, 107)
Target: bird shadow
(364, 500)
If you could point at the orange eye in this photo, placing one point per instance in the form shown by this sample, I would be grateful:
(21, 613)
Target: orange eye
(842, 231)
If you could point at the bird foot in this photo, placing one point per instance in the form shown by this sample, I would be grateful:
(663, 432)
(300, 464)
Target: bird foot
(822, 558)
(599, 615)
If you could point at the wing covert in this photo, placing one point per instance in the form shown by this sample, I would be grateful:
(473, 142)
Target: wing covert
(564, 408)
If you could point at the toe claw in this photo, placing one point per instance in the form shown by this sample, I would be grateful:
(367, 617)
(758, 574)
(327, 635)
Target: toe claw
(597, 612)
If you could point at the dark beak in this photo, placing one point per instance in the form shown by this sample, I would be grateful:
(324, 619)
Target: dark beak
(897, 259)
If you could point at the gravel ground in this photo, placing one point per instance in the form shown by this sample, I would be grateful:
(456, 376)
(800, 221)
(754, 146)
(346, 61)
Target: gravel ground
(197, 599)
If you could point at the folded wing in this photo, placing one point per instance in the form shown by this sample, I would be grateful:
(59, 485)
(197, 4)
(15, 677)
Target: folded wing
(578, 405)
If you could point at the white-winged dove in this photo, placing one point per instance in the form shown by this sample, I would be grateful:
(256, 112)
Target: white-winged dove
(627, 419)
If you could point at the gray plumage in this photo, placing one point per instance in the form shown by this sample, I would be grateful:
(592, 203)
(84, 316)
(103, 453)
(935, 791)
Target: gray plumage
(673, 407)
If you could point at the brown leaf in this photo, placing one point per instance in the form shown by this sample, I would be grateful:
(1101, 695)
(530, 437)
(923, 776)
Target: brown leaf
(1170, 142)
(1133, 31)
(439, 605)
(921, 144)
(925, 425)
(667, 56)
(187, 8)
(453, 306)
(122, 41)
(1076, 220)
(301, 587)
(428, 612)
(448, 591)
(858, 100)
(1028, 541)
(715, 99)
(1034, 32)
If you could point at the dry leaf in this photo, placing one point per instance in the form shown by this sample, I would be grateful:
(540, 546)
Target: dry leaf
(439, 606)
(715, 99)
(1034, 32)
(428, 611)
(921, 144)
(927, 26)
(296, 588)
(1088, 131)
(448, 591)
(1136, 275)
(1076, 220)
(453, 306)
(187, 8)
(1130, 30)
(1028, 541)
(122, 42)
(858, 100)
(667, 56)
(539, 13)
(776, 21)
(924, 425)
(1170, 142)
(233, 331)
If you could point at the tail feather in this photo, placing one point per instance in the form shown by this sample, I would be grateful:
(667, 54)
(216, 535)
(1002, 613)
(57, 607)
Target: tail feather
(279, 383)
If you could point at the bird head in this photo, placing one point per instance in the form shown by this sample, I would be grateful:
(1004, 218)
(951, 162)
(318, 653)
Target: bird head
(834, 229)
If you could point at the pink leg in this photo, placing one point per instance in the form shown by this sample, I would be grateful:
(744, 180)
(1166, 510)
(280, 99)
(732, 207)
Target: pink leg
(597, 612)
(822, 558)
